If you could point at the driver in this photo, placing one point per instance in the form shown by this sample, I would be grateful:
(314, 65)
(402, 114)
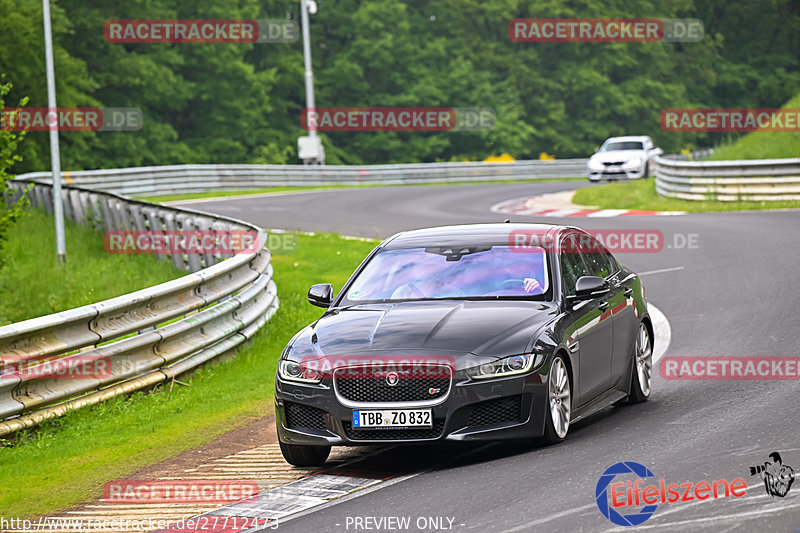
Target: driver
(532, 285)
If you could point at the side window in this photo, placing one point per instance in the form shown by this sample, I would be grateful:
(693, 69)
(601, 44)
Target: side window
(597, 258)
(572, 265)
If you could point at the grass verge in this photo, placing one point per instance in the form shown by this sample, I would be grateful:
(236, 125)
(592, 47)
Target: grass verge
(641, 194)
(32, 283)
(266, 190)
(67, 460)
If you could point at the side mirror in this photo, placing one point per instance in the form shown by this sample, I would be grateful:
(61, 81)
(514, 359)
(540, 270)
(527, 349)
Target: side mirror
(596, 149)
(588, 287)
(321, 295)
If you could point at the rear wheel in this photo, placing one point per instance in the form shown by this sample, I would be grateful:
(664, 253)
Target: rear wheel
(559, 402)
(299, 455)
(642, 366)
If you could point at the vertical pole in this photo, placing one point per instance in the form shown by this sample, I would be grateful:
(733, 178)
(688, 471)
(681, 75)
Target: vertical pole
(52, 116)
(309, 75)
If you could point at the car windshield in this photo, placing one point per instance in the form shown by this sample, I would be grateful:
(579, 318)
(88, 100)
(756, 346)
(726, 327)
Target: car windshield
(472, 272)
(622, 145)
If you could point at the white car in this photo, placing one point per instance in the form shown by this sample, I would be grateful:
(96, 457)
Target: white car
(623, 158)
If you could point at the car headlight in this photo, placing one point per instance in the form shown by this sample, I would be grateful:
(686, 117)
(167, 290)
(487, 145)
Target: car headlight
(508, 366)
(633, 162)
(595, 165)
(294, 371)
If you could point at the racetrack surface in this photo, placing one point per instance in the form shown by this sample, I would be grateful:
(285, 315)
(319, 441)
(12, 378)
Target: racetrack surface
(734, 294)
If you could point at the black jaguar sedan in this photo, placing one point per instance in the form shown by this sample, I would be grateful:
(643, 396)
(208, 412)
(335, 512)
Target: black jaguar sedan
(465, 333)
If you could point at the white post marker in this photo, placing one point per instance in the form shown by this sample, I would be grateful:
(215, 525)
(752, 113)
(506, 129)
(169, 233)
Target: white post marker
(55, 156)
(309, 148)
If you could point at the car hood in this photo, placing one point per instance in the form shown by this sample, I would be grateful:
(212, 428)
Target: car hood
(484, 328)
(617, 155)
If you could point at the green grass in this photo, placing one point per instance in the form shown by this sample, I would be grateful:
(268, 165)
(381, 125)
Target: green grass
(763, 144)
(33, 284)
(641, 194)
(67, 460)
(266, 190)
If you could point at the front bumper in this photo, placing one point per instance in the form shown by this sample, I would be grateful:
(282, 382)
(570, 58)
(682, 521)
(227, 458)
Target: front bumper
(620, 174)
(475, 410)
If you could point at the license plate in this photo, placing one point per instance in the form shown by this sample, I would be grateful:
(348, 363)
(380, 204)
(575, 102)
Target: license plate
(613, 168)
(390, 418)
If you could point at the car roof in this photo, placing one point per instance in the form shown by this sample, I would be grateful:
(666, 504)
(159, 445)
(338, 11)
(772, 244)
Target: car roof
(641, 138)
(468, 234)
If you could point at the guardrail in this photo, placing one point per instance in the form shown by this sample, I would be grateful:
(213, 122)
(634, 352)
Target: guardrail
(155, 181)
(148, 336)
(750, 180)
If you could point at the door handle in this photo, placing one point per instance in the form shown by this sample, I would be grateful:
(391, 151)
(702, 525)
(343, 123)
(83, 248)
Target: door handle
(603, 306)
(628, 292)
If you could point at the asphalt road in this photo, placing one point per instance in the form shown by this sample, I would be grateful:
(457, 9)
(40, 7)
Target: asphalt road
(733, 294)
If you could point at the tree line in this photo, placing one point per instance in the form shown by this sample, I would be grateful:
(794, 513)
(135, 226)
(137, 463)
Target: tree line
(242, 102)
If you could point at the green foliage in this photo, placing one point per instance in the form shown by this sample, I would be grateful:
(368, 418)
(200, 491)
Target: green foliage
(9, 142)
(241, 103)
(763, 144)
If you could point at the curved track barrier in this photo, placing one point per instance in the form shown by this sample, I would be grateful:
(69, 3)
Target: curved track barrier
(141, 338)
(750, 180)
(155, 181)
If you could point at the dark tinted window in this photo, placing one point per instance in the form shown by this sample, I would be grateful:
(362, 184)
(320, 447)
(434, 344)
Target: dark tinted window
(452, 272)
(622, 145)
(572, 265)
(598, 259)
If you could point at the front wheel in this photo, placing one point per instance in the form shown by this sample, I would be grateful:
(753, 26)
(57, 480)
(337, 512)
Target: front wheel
(298, 455)
(559, 402)
(643, 366)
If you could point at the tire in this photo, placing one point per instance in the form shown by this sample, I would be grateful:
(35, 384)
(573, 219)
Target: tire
(299, 455)
(646, 171)
(642, 372)
(559, 402)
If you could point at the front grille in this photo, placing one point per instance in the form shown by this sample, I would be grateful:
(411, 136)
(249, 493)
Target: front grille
(497, 411)
(394, 434)
(369, 385)
(303, 416)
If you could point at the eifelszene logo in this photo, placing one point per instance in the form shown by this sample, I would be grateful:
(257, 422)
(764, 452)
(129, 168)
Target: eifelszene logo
(602, 497)
(614, 498)
(778, 477)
